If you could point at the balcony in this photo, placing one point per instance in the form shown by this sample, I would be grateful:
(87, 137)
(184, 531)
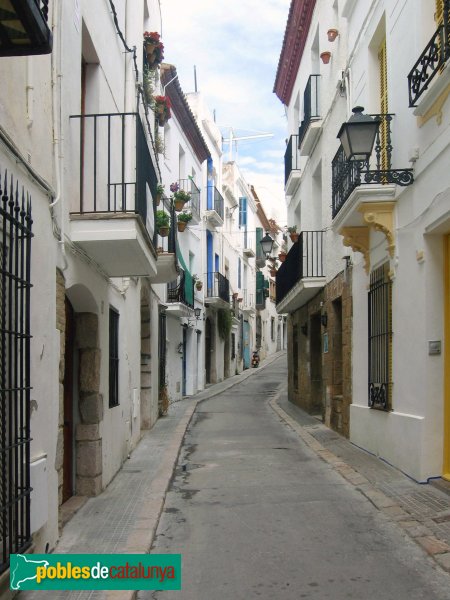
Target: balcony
(291, 166)
(193, 206)
(429, 64)
(217, 290)
(311, 126)
(24, 28)
(248, 249)
(113, 218)
(301, 275)
(248, 302)
(167, 263)
(355, 182)
(180, 295)
(215, 214)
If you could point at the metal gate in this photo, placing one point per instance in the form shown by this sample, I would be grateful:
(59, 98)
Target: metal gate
(15, 386)
(380, 338)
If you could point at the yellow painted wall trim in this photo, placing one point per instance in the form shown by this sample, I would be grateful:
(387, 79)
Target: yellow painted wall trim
(435, 109)
(380, 216)
(446, 444)
(358, 239)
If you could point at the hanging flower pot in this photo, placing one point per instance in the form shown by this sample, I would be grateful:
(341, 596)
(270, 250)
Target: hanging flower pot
(282, 256)
(154, 48)
(163, 231)
(325, 56)
(198, 285)
(332, 34)
(178, 205)
(181, 225)
(183, 220)
(162, 109)
(273, 272)
(162, 222)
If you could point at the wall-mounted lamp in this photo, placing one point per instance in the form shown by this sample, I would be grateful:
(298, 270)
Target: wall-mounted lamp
(324, 319)
(304, 328)
(180, 348)
(197, 315)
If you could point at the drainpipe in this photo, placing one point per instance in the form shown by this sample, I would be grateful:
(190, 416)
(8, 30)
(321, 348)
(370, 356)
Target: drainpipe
(57, 121)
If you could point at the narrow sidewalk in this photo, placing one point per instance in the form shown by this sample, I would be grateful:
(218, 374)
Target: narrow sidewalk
(421, 510)
(124, 517)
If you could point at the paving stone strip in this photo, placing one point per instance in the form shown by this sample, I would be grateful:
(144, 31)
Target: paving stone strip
(417, 529)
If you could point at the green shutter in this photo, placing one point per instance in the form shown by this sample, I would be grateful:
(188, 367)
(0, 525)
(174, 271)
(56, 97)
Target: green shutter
(259, 237)
(260, 297)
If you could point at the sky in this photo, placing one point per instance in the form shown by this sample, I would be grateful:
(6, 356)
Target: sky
(235, 46)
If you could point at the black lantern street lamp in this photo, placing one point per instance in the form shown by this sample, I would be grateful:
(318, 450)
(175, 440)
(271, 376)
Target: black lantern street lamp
(266, 244)
(357, 135)
(197, 313)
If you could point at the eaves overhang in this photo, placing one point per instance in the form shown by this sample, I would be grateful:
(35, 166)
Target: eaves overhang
(295, 35)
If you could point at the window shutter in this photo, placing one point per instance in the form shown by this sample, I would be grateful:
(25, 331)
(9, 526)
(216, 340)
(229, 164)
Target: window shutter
(260, 297)
(383, 103)
(259, 237)
(242, 212)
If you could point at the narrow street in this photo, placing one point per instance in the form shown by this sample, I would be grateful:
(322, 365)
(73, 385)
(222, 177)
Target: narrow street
(255, 513)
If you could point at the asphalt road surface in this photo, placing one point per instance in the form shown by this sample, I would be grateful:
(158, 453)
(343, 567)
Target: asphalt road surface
(257, 515)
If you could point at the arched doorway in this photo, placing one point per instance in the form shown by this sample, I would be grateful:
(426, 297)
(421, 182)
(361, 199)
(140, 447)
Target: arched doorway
(68, 418)
(208, 349)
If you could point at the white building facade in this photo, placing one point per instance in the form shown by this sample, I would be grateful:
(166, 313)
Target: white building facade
(391, 214)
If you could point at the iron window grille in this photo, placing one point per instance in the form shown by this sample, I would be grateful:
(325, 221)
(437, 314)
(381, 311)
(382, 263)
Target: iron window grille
(15, 381)
(311, 109)
(113, 358)
(380, 339)
(291, 157)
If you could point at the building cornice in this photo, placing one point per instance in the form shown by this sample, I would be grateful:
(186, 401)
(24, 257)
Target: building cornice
(183, 112)
(295, 35)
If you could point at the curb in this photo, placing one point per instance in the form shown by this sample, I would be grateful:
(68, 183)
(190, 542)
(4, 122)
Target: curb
(141, 537)
(422, 535)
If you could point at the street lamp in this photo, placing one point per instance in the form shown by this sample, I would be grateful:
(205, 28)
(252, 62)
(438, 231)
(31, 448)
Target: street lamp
(357, 135)
(197, 313)
(266, 244)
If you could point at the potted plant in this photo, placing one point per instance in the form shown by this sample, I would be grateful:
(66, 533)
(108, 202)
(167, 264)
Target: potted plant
(332, 34)
(159, 193)
(273, 272)
(154, 48)
(293, 233)
(325, 56)
(180, 197)
(282, 255)
(162, 109)
(162, 223)
(183, 220)
(198, 283)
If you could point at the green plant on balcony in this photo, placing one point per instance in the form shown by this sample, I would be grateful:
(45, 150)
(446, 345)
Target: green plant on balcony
(162, 223)
(159, 193)
(224, 322)
(162, 109)
(180, 197)
(153, 47)
(293, 233)
(148, 81)
(183, 220)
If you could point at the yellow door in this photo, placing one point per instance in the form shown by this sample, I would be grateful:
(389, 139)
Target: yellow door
(446, 467)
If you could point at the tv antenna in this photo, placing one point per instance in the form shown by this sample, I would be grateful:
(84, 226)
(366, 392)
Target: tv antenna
(233, 139)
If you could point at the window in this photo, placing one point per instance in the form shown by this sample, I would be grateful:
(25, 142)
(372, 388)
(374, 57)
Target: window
(242, 212)
(113, 358)
(233, 346)
(272, 329)
(380, 339)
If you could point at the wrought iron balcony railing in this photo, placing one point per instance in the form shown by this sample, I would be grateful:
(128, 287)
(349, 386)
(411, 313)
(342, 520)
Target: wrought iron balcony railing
(217, 202)
(291, 157)
(188, 185)
(217, 286)
(116, 168)
(429, 63)
(304, 260)
(181, 290)
(347, 174)
(311, 109)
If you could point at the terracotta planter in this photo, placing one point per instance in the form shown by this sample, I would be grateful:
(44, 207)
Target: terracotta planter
(282, 256)
(273, 272)
(199, 286)
(163, 231)
(178, 205)
(158, 199)
(162, 120)
(181, 225)
(325, 56)
(294, 237)
(332, 34)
